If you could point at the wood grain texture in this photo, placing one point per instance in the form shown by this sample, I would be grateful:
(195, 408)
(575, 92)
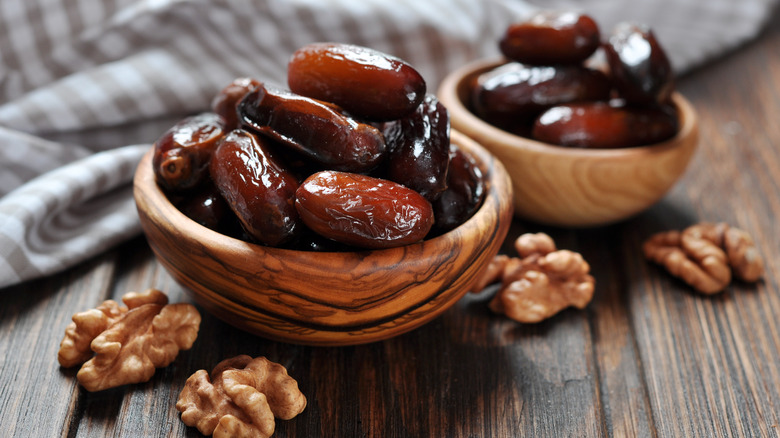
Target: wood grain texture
(575, 187)
(318, 298)
(648, 357)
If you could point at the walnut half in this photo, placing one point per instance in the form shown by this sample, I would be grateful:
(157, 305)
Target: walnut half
(540, 283)
(129, 342)
(241, 398)
(705, 255)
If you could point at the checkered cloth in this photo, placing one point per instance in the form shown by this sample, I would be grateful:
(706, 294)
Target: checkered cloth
(80, 80)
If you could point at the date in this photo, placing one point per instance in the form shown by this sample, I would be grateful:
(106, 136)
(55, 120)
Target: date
(181, 155)
(513, 95)
(367, 83)
(257, 187)
(640, 68)
(205, 206)
(315, 129)
(550, 38)
(464, 193)
(419, 146)
(363, 211)
(605, 126)
(225, 103)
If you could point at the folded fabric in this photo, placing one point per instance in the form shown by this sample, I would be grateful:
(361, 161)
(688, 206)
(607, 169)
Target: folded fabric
(68, 215)
(79, 79)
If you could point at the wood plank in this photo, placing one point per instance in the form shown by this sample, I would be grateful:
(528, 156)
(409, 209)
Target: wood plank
(36, 395)
(710, 363)
(146, 409)
(623, 394)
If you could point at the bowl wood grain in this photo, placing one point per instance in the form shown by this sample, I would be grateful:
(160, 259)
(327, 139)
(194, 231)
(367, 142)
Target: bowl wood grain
(316, 298)
(574, 187)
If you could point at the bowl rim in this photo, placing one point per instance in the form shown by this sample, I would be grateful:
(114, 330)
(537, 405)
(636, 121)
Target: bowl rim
(449, 92)
(145, 176)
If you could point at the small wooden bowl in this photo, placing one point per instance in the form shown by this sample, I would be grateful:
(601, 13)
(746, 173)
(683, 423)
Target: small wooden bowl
(574, 187)
(317, 298)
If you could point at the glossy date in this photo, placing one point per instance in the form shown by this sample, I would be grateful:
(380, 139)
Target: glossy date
(550, 38)
(259, 190)
(225, 103)
(419, 148)
(464, 192)
(367, 83)
(181, 155)
(316, 129)
(601, 125)
(206, 207)
(513, 94)
(363, 211)
(639, 66)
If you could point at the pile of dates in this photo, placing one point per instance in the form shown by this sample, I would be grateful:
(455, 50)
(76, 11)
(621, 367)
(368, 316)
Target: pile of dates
(550, 89)
(355, 154)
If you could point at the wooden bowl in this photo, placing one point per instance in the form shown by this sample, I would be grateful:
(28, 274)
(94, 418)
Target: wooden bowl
(317, 298)
(574, 187)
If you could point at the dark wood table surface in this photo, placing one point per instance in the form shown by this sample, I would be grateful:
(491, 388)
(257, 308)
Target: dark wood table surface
(647, 357)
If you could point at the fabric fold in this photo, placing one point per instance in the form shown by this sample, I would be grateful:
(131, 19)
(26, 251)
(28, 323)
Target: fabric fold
(68, 215)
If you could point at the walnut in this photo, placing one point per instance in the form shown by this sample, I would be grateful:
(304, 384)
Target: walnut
(704, 255)
(129, 341)
(491, 274)
(541, 282)
(86, 326)
(530, 243)
(743, 255)
(541, 286)
(241, 398)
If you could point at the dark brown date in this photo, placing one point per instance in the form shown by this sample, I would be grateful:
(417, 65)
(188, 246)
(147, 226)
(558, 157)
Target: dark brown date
(308, 240)
(182, 153)
(205, 206)
(550, 38)
(419, 146)
(259, 190)
(641, 71)
(512, 95)
(367, 83)
(363, 211)
(313, 128)
(464, 193)
(226, 101)
(605, 126)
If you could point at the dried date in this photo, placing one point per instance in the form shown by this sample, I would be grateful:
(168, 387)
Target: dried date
(419, 146)
(464, 192)
(206, 207)
(550, 38)
(313, 128)
(181, 155)
(513, 94)
(226, 101)
(639, 66)
(366, 83)
(603, 125)
(257, 187)
(363, 211)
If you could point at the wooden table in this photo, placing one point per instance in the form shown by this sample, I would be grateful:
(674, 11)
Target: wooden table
(648, 357)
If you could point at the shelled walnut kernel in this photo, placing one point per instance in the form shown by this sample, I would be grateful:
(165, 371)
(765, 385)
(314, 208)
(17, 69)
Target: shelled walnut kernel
(540, 283)
(241, 398)
(705, 255)
(128, 342)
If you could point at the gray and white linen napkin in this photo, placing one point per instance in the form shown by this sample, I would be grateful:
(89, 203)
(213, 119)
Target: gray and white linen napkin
(87, 85)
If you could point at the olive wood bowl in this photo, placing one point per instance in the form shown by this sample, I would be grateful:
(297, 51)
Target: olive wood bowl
(326, 298)
(574, 187)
